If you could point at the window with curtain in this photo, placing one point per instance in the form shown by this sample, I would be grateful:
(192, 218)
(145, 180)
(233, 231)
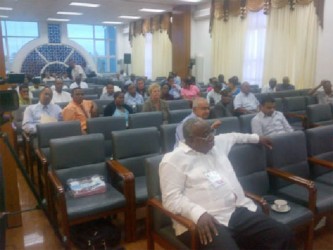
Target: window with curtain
(99, 42)
(255, 37)
(149, 55)
(14, 36)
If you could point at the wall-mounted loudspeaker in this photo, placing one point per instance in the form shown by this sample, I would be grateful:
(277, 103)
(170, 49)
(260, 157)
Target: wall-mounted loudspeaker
(127, 58)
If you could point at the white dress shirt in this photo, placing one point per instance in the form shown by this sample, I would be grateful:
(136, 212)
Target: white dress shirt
(61, 97)
(83, 85)
(215, 96)
(189, 189)
(248, 102)
(77, 71)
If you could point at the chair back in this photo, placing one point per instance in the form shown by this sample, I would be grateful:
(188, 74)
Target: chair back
(245, 123)
(279, 104)
(178, 104)
(105, 126)
(145, 119)
(168, 137)
(78, 156)
(249, 162)
(288, 154)
(62, 104)
(101, 104)
(130, 147)
(90, 97)
(229, 125)
(320, 145)
(319, 114)
(176, 116)
(49, 131)
(295, 104)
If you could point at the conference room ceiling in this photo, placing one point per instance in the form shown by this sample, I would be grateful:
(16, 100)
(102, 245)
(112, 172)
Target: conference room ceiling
(109, 10)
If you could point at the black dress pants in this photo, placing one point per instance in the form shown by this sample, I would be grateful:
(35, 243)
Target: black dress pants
(249, 230)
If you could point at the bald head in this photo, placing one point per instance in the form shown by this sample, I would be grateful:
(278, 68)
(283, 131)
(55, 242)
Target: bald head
(245, 88)
(200, 107)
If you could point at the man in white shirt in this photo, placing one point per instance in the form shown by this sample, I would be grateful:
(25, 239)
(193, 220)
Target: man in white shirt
(198, 182)
(77, 70)
(269, 121)
(245, 102)
(78, 83)
(324, 96)
(133, 98)
(271, 88)
(214, 96)
(58, 94)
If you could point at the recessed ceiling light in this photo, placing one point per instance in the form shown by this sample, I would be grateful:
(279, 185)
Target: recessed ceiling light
(151, 10)
(111, 22)
(69, 13)
(6, 8)
(130, 17)
(191, 1)
(3, 16)
(91, 5)
(58, 19)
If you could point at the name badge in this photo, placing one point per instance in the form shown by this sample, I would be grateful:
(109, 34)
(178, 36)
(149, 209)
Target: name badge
(214, 178)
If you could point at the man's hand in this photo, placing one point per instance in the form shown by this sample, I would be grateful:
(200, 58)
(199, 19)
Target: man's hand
(216, 124)
(265, 141)
(206, 228)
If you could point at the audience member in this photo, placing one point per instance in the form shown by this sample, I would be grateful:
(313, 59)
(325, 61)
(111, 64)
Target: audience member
(47, 78)
(65, 77)
(109, 95)
(233, 86)
(42, 112)
(174, 88)
(78, 83)
(245, 102)
(214, 96)
(76, 70)
(121, 75)
(155, 103)
(220, 79)
(189, 90)
(165, 92)
(133, 98)
(205, 189)
(285, 85)
(141, 88)
(200, 109)
(269, 121)
(271, 88)
(118, 107)
(80, 109)
(24, 97)
(324, 96)
(58, 94)
(87, 70)
(224, 107)
(36, 85)
(132, 80)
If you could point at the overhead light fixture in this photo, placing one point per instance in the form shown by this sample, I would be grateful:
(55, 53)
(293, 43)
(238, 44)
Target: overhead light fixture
(69, 13)
(151, 10)
(111, 22)
(58, 19)
(191, 1)
(89, 5)
(6, 8)
(130, 17)
(3, 16)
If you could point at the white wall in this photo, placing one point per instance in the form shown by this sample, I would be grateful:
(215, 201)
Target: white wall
(325, 47)
(123, 46)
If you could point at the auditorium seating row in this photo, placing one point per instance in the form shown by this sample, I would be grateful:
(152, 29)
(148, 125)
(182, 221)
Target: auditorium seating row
(132, 175)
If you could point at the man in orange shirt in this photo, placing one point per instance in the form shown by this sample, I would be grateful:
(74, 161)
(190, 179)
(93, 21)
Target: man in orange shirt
(80, 109)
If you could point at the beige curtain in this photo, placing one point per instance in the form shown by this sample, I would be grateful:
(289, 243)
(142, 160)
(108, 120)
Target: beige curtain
(291, 45)
(228, 40)
(138, 55)
(162, 54)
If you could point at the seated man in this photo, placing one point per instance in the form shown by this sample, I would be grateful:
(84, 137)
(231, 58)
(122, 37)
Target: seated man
(133, 98)
(24, 95)
(271, 88)
(245, 102)
(214, 96)
(285, 85)
(42, 112)
(79, 109)
(205, 189)
(58, 94)
(109, 93)
(174, 88)
(326, 96)
(269, 121)
(200, 109)
(223, 108)
(78, 83)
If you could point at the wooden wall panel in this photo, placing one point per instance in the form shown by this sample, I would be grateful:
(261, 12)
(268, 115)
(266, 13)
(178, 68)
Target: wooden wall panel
(181, 40)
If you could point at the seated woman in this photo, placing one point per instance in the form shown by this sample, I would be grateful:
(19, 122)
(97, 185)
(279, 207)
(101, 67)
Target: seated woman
(165, 95)
(189, 90)
(233, 86)
(118, 107)
(154, 102)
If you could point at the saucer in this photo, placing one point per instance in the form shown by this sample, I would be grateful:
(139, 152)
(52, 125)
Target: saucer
(287, 209)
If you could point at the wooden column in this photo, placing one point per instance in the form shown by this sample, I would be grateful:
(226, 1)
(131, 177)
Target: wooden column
(9, 165)
(181, 40)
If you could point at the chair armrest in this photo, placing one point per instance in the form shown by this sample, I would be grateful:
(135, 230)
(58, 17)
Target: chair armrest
(41, 157)
(120, 170)
(308, 184)
(56, 183)
(189, 224)
(294, 115)
(321, 162)
(260, 200)
(26, 136)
